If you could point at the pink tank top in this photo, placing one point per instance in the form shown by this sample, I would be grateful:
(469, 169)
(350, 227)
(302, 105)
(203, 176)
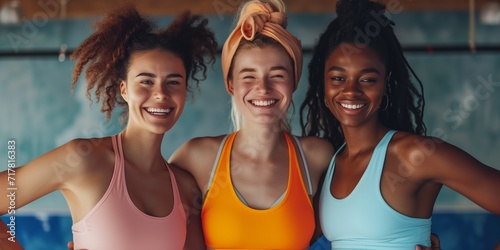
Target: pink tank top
(116, 223)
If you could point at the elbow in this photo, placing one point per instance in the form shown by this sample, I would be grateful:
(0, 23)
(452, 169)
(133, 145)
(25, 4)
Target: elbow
(496, 207)
(496, 211)
(8, 209)
(6, 212)
(8, 206)
(4, 207)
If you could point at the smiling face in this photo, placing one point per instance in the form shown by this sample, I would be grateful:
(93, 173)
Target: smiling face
(354, 86)
(262, 84)
(155, 90)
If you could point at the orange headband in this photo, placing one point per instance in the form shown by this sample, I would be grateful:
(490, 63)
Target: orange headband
(259, 18)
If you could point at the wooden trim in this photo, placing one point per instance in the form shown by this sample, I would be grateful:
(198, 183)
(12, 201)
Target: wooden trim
(89, 8)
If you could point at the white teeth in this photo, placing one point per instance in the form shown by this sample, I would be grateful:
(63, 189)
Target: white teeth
(263, 103)
(158, 111)
(352, 106)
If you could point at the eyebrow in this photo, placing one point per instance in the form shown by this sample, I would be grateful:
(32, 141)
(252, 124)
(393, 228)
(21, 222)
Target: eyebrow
(278, 68)
(153, 75)
(367, 70)
(244, 70)
(336, 68)
(370, 70)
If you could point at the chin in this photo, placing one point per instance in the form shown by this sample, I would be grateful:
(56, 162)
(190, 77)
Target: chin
(160, 130)
(268, 121)
(351, 123)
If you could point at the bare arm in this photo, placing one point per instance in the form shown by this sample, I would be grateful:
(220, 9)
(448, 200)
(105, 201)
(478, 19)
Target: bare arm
(5, 243)
(41, 176)
(456, 169)
(318, 153)
(317, 230)
(181, 156)
(195, 238)
(191, 200)
(435, 243)
(197, 157)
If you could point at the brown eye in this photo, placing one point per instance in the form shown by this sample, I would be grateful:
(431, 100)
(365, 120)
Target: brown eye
(146, 82)
(173, 83)
(369, 80)
(337, 80)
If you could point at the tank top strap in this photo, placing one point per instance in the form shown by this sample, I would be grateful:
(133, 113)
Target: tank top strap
(216, 162)
(118, 171)
(294, 166)
(175, 188)
(384, 142)
(331, 169)
(306, 167)
(377, 161)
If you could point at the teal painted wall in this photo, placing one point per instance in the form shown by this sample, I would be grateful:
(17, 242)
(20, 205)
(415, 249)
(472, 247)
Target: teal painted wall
(38, 111)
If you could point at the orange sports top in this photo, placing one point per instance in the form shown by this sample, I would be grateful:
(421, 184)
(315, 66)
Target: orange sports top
(230, 224)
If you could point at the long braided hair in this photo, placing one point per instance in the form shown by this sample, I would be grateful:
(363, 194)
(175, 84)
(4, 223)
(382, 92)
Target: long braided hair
(362, 23)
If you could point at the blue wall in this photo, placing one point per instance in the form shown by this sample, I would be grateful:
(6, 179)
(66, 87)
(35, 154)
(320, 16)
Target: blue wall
(38, 111)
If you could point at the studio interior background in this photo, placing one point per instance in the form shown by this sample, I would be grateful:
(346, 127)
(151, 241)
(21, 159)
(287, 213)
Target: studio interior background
(453, 46)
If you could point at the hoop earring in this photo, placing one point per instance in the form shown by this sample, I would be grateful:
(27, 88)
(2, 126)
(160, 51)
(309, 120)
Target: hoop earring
(386, 103)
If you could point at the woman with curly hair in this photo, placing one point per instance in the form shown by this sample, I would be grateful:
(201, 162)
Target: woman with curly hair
(381, 186)
(121, 192)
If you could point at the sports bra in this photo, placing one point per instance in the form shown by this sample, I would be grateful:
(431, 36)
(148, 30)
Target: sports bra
(228, 223)
(363, 220)
(116, 223)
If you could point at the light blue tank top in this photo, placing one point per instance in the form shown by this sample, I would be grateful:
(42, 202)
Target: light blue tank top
(363, 220)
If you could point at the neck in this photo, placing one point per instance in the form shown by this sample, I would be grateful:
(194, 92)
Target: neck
(263, 141)
(364, 137)
(142, 148)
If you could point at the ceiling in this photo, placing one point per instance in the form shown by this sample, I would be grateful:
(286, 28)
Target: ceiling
(33, 9)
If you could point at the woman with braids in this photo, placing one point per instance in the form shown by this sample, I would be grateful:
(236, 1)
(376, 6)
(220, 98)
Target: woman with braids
(121, 193)
(381, 186)
(257, 182)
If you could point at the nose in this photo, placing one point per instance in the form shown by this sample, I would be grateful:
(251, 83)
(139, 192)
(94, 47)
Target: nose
(263, 86)
(161, 92)
(351, 88)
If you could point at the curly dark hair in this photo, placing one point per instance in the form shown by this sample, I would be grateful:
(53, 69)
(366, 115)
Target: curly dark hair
(404, 110)
(105, 55)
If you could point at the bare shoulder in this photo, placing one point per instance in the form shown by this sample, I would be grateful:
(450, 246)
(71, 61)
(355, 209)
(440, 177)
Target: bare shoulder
(196, 151)
(432, 159)
(183, 178)
(315, 143)
(203, 143)
(408, 139)
(317, 151)
(85, 155)
(67, 168)
(88, 146)
(410, 145)
(424, 155)
(187, 186)
(90, 150)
